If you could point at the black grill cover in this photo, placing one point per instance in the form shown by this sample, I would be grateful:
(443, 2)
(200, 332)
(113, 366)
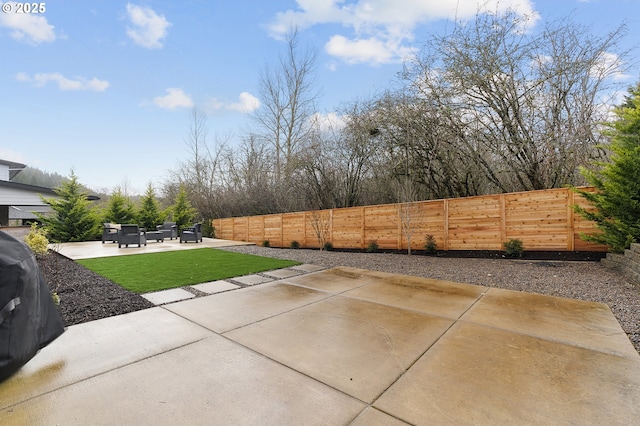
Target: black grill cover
(29, 319)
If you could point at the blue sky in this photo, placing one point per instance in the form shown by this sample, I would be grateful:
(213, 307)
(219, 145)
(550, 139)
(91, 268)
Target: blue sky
(106, 87)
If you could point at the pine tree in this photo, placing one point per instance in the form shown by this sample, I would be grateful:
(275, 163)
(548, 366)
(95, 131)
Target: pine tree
(618, 181)
(150, 215)
(120, 209)
(183, 212)
(74, 219)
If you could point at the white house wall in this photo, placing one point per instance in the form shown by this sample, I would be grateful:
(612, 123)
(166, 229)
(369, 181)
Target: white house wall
(4, 172)
(20, 197)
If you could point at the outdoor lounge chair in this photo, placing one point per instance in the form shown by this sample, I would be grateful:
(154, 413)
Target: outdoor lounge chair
(192, 233)
(131, 234)
(110, 232)
(169, 230)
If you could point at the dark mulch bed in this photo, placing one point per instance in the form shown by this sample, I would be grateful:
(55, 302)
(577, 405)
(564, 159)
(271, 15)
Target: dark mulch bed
(85, 295)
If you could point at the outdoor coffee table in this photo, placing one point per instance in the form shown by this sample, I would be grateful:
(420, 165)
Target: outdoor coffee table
(155, 235)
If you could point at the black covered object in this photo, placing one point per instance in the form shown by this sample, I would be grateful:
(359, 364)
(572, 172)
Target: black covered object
(29, 320)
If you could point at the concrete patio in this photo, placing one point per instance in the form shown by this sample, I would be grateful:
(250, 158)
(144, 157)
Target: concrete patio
(338, 346)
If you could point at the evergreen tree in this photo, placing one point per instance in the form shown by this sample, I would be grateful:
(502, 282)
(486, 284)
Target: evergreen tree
(120, 209)
(150, 215)
(182, 211)
(74, 219)
(618, 181)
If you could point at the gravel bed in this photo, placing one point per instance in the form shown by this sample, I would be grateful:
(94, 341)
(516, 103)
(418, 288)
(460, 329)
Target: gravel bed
(86, 296)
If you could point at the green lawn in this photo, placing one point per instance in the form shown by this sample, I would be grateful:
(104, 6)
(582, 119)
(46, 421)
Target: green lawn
(143, 273)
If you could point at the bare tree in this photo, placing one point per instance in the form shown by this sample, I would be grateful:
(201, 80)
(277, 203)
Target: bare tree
(249, 179)
(409, 211)
(420, 147)
(340, 159)
(321, 223)
(524, 106)
(201, 172)
(287, 96)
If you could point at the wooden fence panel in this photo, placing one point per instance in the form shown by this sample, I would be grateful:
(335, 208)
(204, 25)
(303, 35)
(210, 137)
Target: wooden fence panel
(539, 219)
(435, 223)
(240, 228)
(381, 226)
(223, 228)
(317, 228)
(293, 228)
(475, 223)
(273, 229)
(255, 229)
(419, 219)
(543, 220)
(346, 226)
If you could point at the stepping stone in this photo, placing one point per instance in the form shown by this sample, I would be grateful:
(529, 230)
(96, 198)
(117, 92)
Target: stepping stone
(168, 296)
(307, 267)
(215, 286)
(282, 273)
(252, 279)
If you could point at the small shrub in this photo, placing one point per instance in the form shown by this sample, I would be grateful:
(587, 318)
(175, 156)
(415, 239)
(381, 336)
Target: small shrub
(372, 247)
(266, 243)
(208, 229)
(430, 245)
(37, 240)
(294, 245)
(328, 246)
(513, 248)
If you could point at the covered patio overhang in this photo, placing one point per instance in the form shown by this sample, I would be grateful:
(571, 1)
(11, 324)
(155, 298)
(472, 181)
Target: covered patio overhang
(23, 195)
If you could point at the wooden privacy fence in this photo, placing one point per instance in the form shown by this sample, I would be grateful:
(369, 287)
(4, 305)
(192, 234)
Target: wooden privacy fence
(542, 220)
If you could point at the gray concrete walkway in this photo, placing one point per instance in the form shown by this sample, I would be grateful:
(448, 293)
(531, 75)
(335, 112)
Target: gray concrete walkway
(339, 346)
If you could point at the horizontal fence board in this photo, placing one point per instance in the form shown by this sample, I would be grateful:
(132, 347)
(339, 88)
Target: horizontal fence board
(293, 228)
(543, 220)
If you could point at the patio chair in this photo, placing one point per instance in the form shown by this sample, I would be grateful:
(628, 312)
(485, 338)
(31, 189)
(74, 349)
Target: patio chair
(131, 234)
(192, 233)
(110, 232)
(169, 230)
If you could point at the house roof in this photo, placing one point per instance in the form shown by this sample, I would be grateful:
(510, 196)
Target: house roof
(14, 168)
(33, 188)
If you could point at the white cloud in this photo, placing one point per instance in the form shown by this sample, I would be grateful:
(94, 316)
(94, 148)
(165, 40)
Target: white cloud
(372, 50)
(148, 28)
(64, 83)
(329, 122)
(380, 29)
(175, 98)
(246, 103)
(28, 27)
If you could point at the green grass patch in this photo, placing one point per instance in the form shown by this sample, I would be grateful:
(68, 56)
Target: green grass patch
(144, 273)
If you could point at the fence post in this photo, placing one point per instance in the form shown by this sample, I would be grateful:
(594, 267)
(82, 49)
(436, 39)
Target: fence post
(503, 219)
(571, 232)
(331, 226)
(446, 225)
(362, 227)
(304, 229)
